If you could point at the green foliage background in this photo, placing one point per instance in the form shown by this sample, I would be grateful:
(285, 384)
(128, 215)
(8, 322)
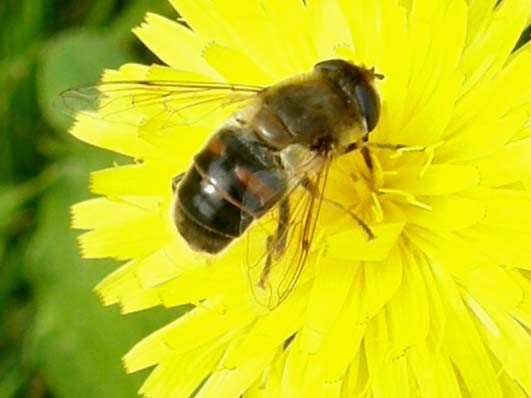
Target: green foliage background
(56, 340)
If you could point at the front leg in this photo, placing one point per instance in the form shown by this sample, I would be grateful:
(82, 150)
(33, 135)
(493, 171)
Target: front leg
(363, 146)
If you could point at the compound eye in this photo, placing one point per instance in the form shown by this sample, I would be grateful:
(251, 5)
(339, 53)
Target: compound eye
(369, 104)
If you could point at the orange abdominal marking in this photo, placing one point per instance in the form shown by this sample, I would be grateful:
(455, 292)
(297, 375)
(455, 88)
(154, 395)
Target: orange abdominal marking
(216, 146)
(254, 184)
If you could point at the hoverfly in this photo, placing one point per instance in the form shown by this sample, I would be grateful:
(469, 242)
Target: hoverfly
(271, 158)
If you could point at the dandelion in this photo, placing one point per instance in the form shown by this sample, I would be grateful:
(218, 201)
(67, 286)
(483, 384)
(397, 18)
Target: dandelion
(437, 305)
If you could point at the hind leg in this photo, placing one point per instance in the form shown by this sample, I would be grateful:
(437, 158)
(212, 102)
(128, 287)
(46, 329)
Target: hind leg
(276, 243)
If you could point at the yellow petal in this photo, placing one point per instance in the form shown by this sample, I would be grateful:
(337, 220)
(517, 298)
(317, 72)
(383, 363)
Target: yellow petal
(493, 287)
(480, 13)
(326, 300)
(483, 59)
(201, 326)
(432, 92)
(209, 280)
(425, 28)
(268, 384)
(167, 263)
(389, 42)
(122, 287)
(180, 375)
(353, 244)
(315, 386)
(292, 28)
(203, 18)
(132, 284)
(127, 240)
(448, 213)
(507, 209)
(327, 36)
(356, 380)
(388, 372)
(294, 375)
(246, 27)
(362, 17)
(102, 212)
(434, 373)
(269, 333)
(234, 382)
(409, 306)
(482, 139)
(146, 179)
(439, 179)
(507, 165)
(431, 117)
(342, 343)
(503, 246)
(510, 92)
(510, 387)
(382, 280)
(241, 69)
(463, 343)
(119, 138)
(522, 312)
(509, 341)
(494, 45)
(454, 252)
(174, 44)
(429, 361)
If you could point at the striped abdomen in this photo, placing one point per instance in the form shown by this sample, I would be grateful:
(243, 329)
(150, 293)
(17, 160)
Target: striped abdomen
(234, 180)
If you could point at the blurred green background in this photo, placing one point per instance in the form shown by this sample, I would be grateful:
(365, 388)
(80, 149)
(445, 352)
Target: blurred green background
(56, 340)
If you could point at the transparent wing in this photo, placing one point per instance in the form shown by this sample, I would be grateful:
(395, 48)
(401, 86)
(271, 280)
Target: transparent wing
(280, 242)
(161, 103)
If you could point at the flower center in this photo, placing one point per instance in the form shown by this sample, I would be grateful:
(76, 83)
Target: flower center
(362, 186)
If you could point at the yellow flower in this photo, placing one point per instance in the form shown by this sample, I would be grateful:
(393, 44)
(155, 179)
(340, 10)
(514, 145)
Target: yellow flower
(438, 305)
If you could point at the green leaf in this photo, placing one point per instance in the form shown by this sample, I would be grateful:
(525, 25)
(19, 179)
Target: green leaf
(13, 377)
(13, 197)
(100, 10)
(77, 342)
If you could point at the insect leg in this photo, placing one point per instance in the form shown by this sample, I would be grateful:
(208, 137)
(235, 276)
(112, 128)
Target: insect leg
(395, 147)
(352, 147)
(283, 223)
(362, 224)
(399, 148)
(307, 184)
(366, 152)
(276, 244)
(380, 145)
(175, 181)
(364, 147)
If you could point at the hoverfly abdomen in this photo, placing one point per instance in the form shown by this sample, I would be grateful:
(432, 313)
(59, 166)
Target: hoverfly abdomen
(234, 180)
